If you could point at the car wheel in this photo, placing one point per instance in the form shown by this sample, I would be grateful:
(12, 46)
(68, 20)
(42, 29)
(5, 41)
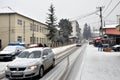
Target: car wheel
(53, 64)
(115, 50)
(41, 72)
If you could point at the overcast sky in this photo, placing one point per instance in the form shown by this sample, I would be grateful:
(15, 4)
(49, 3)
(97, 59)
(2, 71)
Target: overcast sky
(70, 9)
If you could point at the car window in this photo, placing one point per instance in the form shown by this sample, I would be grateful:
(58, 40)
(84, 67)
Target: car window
(27, 54)
(49, 51)
(35, 54)
(24, 54)
(45, 52)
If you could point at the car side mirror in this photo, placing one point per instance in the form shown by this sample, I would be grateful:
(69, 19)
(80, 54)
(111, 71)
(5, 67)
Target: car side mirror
(44, 57)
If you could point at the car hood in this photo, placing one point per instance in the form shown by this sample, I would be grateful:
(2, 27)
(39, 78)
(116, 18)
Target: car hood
(6, 52)
(24, 62)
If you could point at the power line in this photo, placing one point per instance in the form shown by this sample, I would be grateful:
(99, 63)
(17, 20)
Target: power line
(108, 6)
(91, 23)
(84, 16)
(112, 9)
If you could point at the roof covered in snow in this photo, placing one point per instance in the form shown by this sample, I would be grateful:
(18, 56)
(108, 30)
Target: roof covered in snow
(9, 10)
(110, 26)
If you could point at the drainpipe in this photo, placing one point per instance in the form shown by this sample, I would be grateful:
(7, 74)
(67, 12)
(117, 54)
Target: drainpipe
(9, 29)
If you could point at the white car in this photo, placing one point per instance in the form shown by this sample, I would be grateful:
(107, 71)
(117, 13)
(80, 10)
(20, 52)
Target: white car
(116, 47)
(30, 63)
(9, 52)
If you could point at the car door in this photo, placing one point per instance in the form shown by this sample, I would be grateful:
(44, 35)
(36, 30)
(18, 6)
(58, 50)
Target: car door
(51, 56)
(45, 59)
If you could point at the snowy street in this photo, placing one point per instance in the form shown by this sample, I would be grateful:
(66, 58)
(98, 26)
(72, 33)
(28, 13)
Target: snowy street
(100, 65)
(90, 64)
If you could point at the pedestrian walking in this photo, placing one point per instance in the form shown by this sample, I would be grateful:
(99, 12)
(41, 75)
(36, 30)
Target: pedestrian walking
(100, 46)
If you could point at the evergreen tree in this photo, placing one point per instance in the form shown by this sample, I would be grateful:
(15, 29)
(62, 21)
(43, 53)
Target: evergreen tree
(51, 22)
(66, 28)
(87, 31)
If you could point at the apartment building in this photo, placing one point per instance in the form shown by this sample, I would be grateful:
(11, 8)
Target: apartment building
(76, 31)
(18, 27)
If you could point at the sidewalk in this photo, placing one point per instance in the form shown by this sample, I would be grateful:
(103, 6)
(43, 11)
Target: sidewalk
(100, 65)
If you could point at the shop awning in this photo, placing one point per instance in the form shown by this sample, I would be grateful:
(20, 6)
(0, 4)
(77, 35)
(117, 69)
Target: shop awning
(112, 31)
(97, 38)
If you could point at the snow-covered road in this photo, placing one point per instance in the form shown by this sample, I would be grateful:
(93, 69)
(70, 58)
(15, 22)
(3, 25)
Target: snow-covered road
(100, 65)
(96, 65)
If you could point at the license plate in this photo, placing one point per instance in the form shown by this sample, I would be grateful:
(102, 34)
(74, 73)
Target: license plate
(17, 73)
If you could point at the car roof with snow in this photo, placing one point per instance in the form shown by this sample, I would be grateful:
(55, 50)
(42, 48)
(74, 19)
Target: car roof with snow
(116, 46)
(36, 48)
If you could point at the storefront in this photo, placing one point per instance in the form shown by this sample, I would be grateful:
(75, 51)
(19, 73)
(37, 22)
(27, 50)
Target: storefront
(113, 35)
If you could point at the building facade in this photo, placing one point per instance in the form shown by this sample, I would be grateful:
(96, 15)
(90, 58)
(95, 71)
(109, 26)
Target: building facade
(76, 34)
(112, 34)
(17, 27)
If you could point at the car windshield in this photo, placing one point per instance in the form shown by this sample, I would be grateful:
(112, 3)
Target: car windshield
(27, 54)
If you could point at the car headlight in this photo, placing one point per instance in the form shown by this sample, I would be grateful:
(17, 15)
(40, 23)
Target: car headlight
(33, 67)
(7, 68)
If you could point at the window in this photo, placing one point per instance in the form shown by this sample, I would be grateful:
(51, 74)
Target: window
(19, 38)
(45, 52)
(31, 26)
(40, 40)
(37, 39)
(19, 22)
(35, 54)
(49, 50)
(37, 28)
(40, 28)
(31, 40)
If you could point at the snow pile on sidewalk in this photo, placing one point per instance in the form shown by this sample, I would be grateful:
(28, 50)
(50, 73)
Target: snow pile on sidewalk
(62, 48)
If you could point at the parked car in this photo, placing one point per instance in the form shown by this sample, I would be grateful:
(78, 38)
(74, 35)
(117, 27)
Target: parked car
(90, 42)
(116, 48)
(9, 52)
(30, 63)
(78, 44)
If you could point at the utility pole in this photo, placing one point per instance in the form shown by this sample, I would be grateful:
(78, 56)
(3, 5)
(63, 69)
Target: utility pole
(101, 21)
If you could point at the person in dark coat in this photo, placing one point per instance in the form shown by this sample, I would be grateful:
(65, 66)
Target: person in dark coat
(100, 46)
(45, 45)
(40, 45)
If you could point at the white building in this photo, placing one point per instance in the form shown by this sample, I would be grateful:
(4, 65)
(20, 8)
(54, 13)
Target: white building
(75, 35)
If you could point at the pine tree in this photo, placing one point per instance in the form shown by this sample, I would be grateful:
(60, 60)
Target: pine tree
(66, 27)
(51, 22)
(85, 31)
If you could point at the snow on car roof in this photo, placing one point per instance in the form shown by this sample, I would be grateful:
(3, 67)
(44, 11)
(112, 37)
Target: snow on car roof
(116, 45)
(37, 48)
